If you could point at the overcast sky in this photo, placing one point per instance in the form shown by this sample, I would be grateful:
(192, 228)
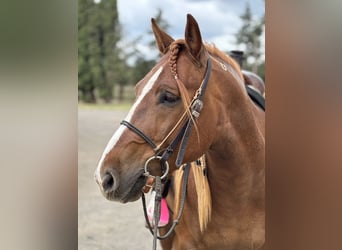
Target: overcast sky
(218, 19)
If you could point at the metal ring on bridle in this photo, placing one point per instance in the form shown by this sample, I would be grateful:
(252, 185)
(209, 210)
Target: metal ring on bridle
(157, 158)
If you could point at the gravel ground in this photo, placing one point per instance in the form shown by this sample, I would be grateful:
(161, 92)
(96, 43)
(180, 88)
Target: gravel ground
(102, 224)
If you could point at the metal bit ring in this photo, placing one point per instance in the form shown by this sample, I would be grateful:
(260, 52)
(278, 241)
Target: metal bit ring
(147, 173)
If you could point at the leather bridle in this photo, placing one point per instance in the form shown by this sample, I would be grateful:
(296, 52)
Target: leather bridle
(180, 139)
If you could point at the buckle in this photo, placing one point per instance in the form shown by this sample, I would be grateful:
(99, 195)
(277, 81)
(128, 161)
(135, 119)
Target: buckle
(196, 108)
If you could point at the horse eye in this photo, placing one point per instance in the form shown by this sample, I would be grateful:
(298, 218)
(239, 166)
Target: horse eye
(168, 98)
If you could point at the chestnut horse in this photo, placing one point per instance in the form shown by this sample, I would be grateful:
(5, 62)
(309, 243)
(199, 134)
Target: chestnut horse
(229, 132)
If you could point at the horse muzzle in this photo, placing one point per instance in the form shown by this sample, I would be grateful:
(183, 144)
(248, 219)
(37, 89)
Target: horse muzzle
(125, 188)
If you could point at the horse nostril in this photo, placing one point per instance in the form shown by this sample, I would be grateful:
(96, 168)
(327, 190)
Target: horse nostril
(109, 182)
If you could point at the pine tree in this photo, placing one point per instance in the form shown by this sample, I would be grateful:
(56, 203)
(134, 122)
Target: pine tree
(249, 35)
(86, 81)
(99, 32)
(108, 36)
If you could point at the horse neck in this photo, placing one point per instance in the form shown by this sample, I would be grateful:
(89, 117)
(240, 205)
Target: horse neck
(236, 158)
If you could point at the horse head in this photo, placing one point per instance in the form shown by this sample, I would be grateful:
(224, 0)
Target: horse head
(162, 103)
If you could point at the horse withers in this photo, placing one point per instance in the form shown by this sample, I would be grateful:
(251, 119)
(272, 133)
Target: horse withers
(194, 85)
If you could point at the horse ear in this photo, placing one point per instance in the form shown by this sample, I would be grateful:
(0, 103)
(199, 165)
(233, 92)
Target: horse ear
(163, 40)
(193, 37)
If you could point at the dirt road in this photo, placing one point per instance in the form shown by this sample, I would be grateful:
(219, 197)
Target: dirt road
(104, 225)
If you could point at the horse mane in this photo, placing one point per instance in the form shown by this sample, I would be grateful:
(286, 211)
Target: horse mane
(214, 51)
(198, 167)
(198, 172)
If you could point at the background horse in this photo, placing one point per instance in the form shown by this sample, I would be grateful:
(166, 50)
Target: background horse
(229, 132)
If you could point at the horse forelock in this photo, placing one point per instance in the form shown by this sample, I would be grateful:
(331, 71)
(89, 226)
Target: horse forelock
(175, 48)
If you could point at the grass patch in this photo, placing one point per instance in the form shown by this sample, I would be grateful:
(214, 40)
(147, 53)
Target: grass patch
(122, 106)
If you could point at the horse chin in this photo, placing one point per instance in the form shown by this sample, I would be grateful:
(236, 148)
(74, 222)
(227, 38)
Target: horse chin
(135, 192)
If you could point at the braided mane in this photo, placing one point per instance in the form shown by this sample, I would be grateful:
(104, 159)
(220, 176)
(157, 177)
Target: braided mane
(175, 48)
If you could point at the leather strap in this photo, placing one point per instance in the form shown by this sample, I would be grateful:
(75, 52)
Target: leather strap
(139, 132)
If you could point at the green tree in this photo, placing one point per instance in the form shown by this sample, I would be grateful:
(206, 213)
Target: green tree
(86, 83)
(108, 35)
(99, 61)
(249, 35)
(122, 77)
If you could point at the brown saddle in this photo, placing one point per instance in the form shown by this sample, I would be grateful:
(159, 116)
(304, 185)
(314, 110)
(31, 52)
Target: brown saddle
(254, 81)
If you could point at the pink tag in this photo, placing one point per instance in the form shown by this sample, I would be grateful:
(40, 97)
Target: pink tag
(164, 214)
(164, 211)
